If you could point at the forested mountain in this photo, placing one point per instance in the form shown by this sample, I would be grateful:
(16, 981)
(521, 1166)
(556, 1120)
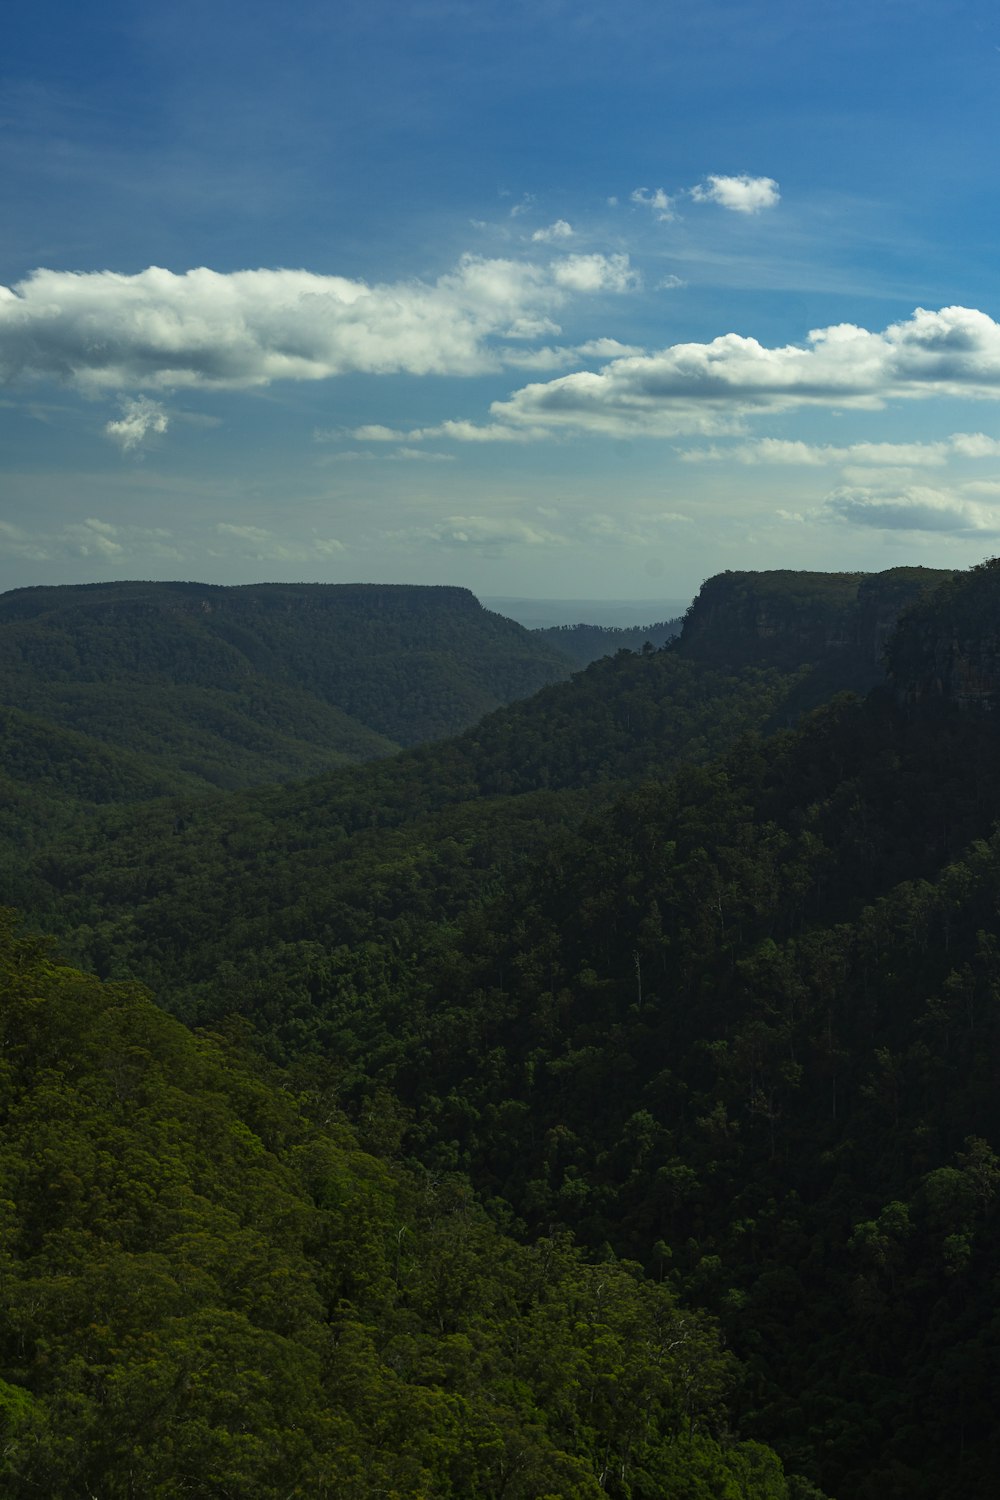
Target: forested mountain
(232, 687)
(658, 959)
(587, 643)
(206, 1292)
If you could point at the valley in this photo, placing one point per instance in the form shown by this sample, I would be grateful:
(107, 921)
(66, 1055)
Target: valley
(682, 971)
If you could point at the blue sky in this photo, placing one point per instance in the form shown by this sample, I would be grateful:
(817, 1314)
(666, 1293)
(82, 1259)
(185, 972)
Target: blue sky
(547, 299)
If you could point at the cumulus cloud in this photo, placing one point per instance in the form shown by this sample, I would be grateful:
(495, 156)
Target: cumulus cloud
(549, 357)
(595, 273)
(916, 508)
(660, 203)
(159, 331)
(140, 417)
(712, 388)
(560, 230)
(264, 546)
(974, 445)
(607, 349)
(531, 328)
(742, 194)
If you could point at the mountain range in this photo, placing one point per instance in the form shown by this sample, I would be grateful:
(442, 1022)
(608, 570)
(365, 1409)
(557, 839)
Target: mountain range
(684, 970)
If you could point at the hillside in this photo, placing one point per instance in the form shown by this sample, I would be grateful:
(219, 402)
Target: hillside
(195, 684)
(208, 1293)
(716, 1000)
(584, 643)
(327, 859)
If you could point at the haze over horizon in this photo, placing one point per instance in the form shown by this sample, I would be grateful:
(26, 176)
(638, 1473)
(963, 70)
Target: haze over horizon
(546, 301)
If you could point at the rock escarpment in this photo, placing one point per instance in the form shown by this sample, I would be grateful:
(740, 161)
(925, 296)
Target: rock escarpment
(786, 619)
(948, 647)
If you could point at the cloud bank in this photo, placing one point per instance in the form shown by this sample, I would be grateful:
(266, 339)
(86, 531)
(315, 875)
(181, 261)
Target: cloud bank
(917, 508)
(160, 331)
(713, 387)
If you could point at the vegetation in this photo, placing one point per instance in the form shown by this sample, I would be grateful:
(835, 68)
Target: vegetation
(231, 687)
(649, 981)
(208, 1293)
(587, 643)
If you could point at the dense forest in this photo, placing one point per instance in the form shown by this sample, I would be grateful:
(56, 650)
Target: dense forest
(232, 687)
(613, 1083)
(586, 643)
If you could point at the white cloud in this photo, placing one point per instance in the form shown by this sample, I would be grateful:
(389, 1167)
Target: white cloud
(94, 538)
(917, 508)
(420, 455)
(781, 451)
(658, 201)
(97, 540)
(459, 431)
(491, 532)
(607, 349)
(396, 456)
(974, 445)
(669, 283)
(140, 417)
(264, 546)
(712, 388)
(160, 331)
(549, 357)
(595, 273)
(742, 194)
(374, 432)
(531, 328)
(472, 432)
(21, 544)
(560, 230)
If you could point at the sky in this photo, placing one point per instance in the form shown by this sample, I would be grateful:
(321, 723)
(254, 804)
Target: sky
(545, 299)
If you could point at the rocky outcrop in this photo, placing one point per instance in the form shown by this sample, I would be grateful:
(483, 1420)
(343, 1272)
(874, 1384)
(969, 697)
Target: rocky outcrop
(786, 618)
(947, 648)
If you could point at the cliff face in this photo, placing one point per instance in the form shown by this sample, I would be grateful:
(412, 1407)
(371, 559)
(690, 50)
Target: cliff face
(787, 619)
(948, 647)
(781, 615)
